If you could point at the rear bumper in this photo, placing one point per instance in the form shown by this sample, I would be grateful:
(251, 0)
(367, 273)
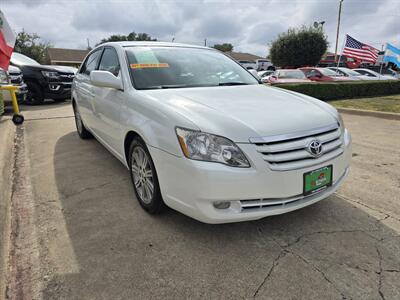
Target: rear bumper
(192, 187)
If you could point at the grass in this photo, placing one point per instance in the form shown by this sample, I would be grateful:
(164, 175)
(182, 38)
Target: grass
(384, 103)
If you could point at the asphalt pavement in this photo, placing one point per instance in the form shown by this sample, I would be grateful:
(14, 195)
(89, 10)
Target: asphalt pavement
(79, 233)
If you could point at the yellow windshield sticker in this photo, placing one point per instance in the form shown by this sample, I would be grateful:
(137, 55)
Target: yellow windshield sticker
(143, 66)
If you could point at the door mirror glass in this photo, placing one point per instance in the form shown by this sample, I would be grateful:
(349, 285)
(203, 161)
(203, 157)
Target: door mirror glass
(105, 79)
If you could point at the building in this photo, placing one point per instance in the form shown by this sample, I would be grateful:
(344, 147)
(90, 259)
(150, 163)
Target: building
(244, 56)
(65, 57)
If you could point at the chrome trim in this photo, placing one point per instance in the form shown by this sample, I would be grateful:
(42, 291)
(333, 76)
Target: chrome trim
(293, 135)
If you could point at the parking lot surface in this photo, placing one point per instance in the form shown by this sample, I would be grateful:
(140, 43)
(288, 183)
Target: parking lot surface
(79, 233)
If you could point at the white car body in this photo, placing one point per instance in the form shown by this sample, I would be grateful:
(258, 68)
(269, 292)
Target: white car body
(350, 73)
(247, 64)
(271, 126)
(264, 64)
(374, 75)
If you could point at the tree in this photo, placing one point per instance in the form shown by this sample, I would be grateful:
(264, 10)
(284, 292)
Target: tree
(225, 47)
(130, 37)
(299, 47)
(30, 44)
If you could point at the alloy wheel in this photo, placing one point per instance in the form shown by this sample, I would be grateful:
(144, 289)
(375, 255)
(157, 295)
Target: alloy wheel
(142, 174)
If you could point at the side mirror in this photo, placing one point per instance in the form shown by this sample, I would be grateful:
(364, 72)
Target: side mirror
(105, 79)
(254, 73)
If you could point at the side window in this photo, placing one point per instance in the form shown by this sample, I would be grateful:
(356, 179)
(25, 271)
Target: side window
(109, 61)
(91, 63)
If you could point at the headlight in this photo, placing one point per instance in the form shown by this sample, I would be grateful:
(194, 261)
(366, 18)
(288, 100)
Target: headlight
(50, 75)
(3, 77)
(199, 145)
(341, 123)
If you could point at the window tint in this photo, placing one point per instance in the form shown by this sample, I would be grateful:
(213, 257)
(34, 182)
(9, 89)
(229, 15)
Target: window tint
(91, 63)
(109, 61)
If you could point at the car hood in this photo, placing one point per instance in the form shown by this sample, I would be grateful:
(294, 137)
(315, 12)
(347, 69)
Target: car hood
(53, 68)
(241, 112)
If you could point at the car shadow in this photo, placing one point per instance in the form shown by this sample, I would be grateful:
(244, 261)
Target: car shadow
(328, 250)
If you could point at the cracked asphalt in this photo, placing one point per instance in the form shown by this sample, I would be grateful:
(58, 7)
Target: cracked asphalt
(79, 233)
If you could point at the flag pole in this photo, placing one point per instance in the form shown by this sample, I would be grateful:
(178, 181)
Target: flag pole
(383, 60)
(340, 56)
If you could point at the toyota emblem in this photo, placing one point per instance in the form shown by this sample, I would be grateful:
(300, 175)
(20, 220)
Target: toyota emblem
(315, 148)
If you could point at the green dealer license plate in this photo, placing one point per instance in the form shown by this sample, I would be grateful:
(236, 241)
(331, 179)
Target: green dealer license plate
(317, 180)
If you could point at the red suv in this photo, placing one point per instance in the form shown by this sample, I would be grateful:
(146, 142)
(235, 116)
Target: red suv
(345, 61)
(322, 74)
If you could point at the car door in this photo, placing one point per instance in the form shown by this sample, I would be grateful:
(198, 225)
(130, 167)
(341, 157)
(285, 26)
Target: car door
(108, 101)
(84, 89)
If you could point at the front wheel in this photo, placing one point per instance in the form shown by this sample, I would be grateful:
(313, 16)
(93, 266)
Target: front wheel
(80, 128)
(144, 178)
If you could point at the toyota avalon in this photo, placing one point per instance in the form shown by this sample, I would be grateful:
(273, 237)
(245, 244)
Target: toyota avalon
(201, 135)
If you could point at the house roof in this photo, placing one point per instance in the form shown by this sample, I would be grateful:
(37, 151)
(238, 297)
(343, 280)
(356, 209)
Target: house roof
(66, 55)
(243, 56)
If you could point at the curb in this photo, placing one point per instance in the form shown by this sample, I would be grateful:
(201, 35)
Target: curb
(370, 113)
(7, 135)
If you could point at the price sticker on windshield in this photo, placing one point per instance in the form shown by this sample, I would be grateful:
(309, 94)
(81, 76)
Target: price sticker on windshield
(144, 66)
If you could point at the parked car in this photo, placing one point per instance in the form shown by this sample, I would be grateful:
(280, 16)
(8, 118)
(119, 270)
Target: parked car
(264, 64)
(350, 74)
(323, 74)
(264, 75)
(248, 64)
(374, 75)
(287, 76)
(345, 61)
(15, 77)
(44, 81)
(217, 150)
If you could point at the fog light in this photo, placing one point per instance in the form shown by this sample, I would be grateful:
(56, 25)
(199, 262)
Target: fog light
(222, 204)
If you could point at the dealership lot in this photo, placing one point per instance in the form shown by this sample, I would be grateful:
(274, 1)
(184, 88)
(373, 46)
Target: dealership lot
(79, 232)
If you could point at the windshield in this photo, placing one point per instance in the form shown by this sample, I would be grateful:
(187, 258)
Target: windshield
(175, 67)
(296, 74)
(21, 60)
(327, 72)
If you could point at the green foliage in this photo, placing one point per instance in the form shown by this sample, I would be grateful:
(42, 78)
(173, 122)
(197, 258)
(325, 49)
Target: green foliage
(130, 37)
(29, 44)
(225, 47)
(345, 90)
(299, 47)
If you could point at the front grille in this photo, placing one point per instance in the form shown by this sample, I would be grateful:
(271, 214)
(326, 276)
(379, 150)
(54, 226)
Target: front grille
(67, 77)
(290, 152)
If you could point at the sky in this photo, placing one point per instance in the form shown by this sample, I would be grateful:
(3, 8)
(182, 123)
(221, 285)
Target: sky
(249, 25)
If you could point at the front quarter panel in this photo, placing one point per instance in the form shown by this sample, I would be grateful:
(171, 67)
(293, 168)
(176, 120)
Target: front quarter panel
(154, 121)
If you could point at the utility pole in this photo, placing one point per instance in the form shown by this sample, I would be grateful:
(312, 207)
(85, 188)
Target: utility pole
(205, 42)
(338, 25)
(88, 44)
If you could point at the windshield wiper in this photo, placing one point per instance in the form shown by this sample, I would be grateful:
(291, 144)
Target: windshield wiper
(232, 83)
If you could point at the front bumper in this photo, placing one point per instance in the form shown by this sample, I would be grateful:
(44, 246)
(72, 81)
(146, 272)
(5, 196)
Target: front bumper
(58, 90)
(192, 187)
(21, 93)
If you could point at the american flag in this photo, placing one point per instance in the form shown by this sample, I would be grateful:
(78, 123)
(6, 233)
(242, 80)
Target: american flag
(358, 50)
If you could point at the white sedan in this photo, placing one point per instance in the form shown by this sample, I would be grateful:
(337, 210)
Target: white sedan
(201, 135)
(374, 75)
(350, 73)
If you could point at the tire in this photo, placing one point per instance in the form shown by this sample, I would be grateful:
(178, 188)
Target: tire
(144, 178)
(35, 94)
(80, 127)
(18, 119)
(270, 68)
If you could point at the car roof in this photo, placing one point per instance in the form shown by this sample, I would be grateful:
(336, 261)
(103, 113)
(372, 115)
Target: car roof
(153, 43)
